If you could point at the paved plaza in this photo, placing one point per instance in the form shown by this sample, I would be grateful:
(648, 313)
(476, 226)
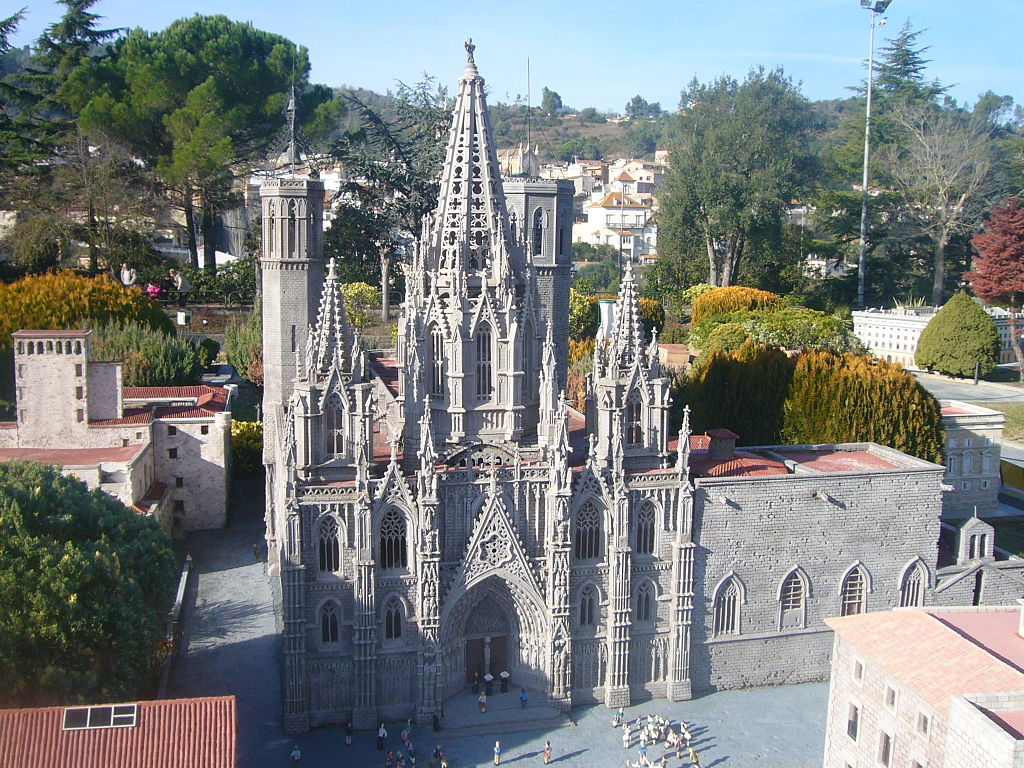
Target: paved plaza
(231, 646)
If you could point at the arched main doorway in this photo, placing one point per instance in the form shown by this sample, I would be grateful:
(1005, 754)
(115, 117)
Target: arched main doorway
(492, 628)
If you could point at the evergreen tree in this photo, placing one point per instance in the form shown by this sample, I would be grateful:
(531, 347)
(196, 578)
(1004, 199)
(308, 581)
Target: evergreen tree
(550, 102)
(84, 582)
(960, 336)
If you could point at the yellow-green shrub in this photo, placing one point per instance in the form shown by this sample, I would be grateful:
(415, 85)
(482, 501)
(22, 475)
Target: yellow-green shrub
(247, 446)
(721, 301)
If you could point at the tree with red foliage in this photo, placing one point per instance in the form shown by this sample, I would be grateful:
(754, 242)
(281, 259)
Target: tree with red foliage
(998, 274)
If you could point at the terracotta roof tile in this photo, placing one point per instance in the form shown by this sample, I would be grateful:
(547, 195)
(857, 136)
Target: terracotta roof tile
(839, 461)
(741, 464)
(131, 416)
(932, 659)
(175, 733)
(71, 457)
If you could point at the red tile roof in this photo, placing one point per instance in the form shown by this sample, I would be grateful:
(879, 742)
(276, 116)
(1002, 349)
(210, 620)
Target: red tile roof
(71, 457)
(206, 400)
(839, 461)
(931, 658)
(741, 464)
(723, 434)
(1011, 722)
(176, 733)
(131, 416)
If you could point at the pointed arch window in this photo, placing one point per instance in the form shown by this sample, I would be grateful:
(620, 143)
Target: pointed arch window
(436, 361)
(329, 623)
(644, 603)
(392, 540)
(292, 235)
(912, 588)
(588, 607)
(727, 609)
(329, 546)
(588, 532)
(484, 362)
(530, 377)
(852, 596)
(793, 597)
(393, 620)
(334, 426)
(634, 424)
(538, 232)
(645, 521)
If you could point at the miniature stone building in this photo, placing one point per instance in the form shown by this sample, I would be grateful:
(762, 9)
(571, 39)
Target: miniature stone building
(163, 450)
(445, 513)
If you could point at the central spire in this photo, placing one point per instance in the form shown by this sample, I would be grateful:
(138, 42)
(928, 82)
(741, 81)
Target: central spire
(468, 240)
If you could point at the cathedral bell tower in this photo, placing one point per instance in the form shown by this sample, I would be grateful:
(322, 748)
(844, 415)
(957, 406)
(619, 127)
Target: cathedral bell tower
(470, 338)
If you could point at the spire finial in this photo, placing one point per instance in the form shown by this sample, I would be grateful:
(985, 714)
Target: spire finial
(331, 274)
(471, 70)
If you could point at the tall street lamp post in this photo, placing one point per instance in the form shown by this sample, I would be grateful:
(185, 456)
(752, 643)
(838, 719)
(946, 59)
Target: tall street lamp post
(876, 7)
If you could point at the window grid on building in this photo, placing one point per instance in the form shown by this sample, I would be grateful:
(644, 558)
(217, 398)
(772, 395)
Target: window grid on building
(393, 620)
(727, 609)
(912, 589)
(484, 358)
(645, 531)
(852, 594)
(392, 540)
(588, 533)
(643, 602)
(792, 601)
(330, 551)
(329, 623)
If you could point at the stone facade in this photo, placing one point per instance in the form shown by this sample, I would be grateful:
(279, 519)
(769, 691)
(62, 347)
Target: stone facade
(446, 513)
(164, 450)
(973, 436)
(927, 687)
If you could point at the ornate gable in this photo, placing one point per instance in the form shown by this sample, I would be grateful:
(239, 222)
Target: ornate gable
(495, 548)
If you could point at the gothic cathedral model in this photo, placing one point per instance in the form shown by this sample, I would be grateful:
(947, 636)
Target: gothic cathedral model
(446, 512)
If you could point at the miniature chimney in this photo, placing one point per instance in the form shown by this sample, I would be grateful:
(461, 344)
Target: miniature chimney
(723, 443)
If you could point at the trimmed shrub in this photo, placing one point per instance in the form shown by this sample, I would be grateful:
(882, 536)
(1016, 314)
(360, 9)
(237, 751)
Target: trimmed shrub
(960, 335)
(692, 293)
(243, 347)
(721, 301)
(726, 337)
(788, 328)
(62, 300)
(247, 446)
(151, 358)
(816, 397)
(674, 333)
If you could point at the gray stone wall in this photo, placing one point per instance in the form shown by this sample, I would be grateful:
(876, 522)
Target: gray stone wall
(759, 529)
(196, 475)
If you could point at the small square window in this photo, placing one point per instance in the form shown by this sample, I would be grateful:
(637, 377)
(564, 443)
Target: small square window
(885, 749)
(965, 486)
(890, 697)
(205, 429)
(138, 435)
(179, 506)
(858, 671)
(179, 482)
(984, 483)
(923, 723)
(172, 431)
(78, 369)
(124, 442)
(79, 393)
(853, 722)
(80, 415)
(172, 453)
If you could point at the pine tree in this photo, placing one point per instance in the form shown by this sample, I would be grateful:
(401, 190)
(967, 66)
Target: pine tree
(960, 336)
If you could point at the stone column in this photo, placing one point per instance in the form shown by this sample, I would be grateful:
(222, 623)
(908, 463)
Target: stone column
(293, 578)
(364, 712)
(617, 683)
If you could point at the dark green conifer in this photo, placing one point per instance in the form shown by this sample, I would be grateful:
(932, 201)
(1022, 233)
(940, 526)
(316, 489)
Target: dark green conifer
(960, 336)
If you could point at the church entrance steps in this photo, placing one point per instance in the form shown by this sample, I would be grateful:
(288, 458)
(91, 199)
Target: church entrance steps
(504, 714)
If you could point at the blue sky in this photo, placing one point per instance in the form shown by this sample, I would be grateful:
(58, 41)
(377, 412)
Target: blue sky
(602, 53)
